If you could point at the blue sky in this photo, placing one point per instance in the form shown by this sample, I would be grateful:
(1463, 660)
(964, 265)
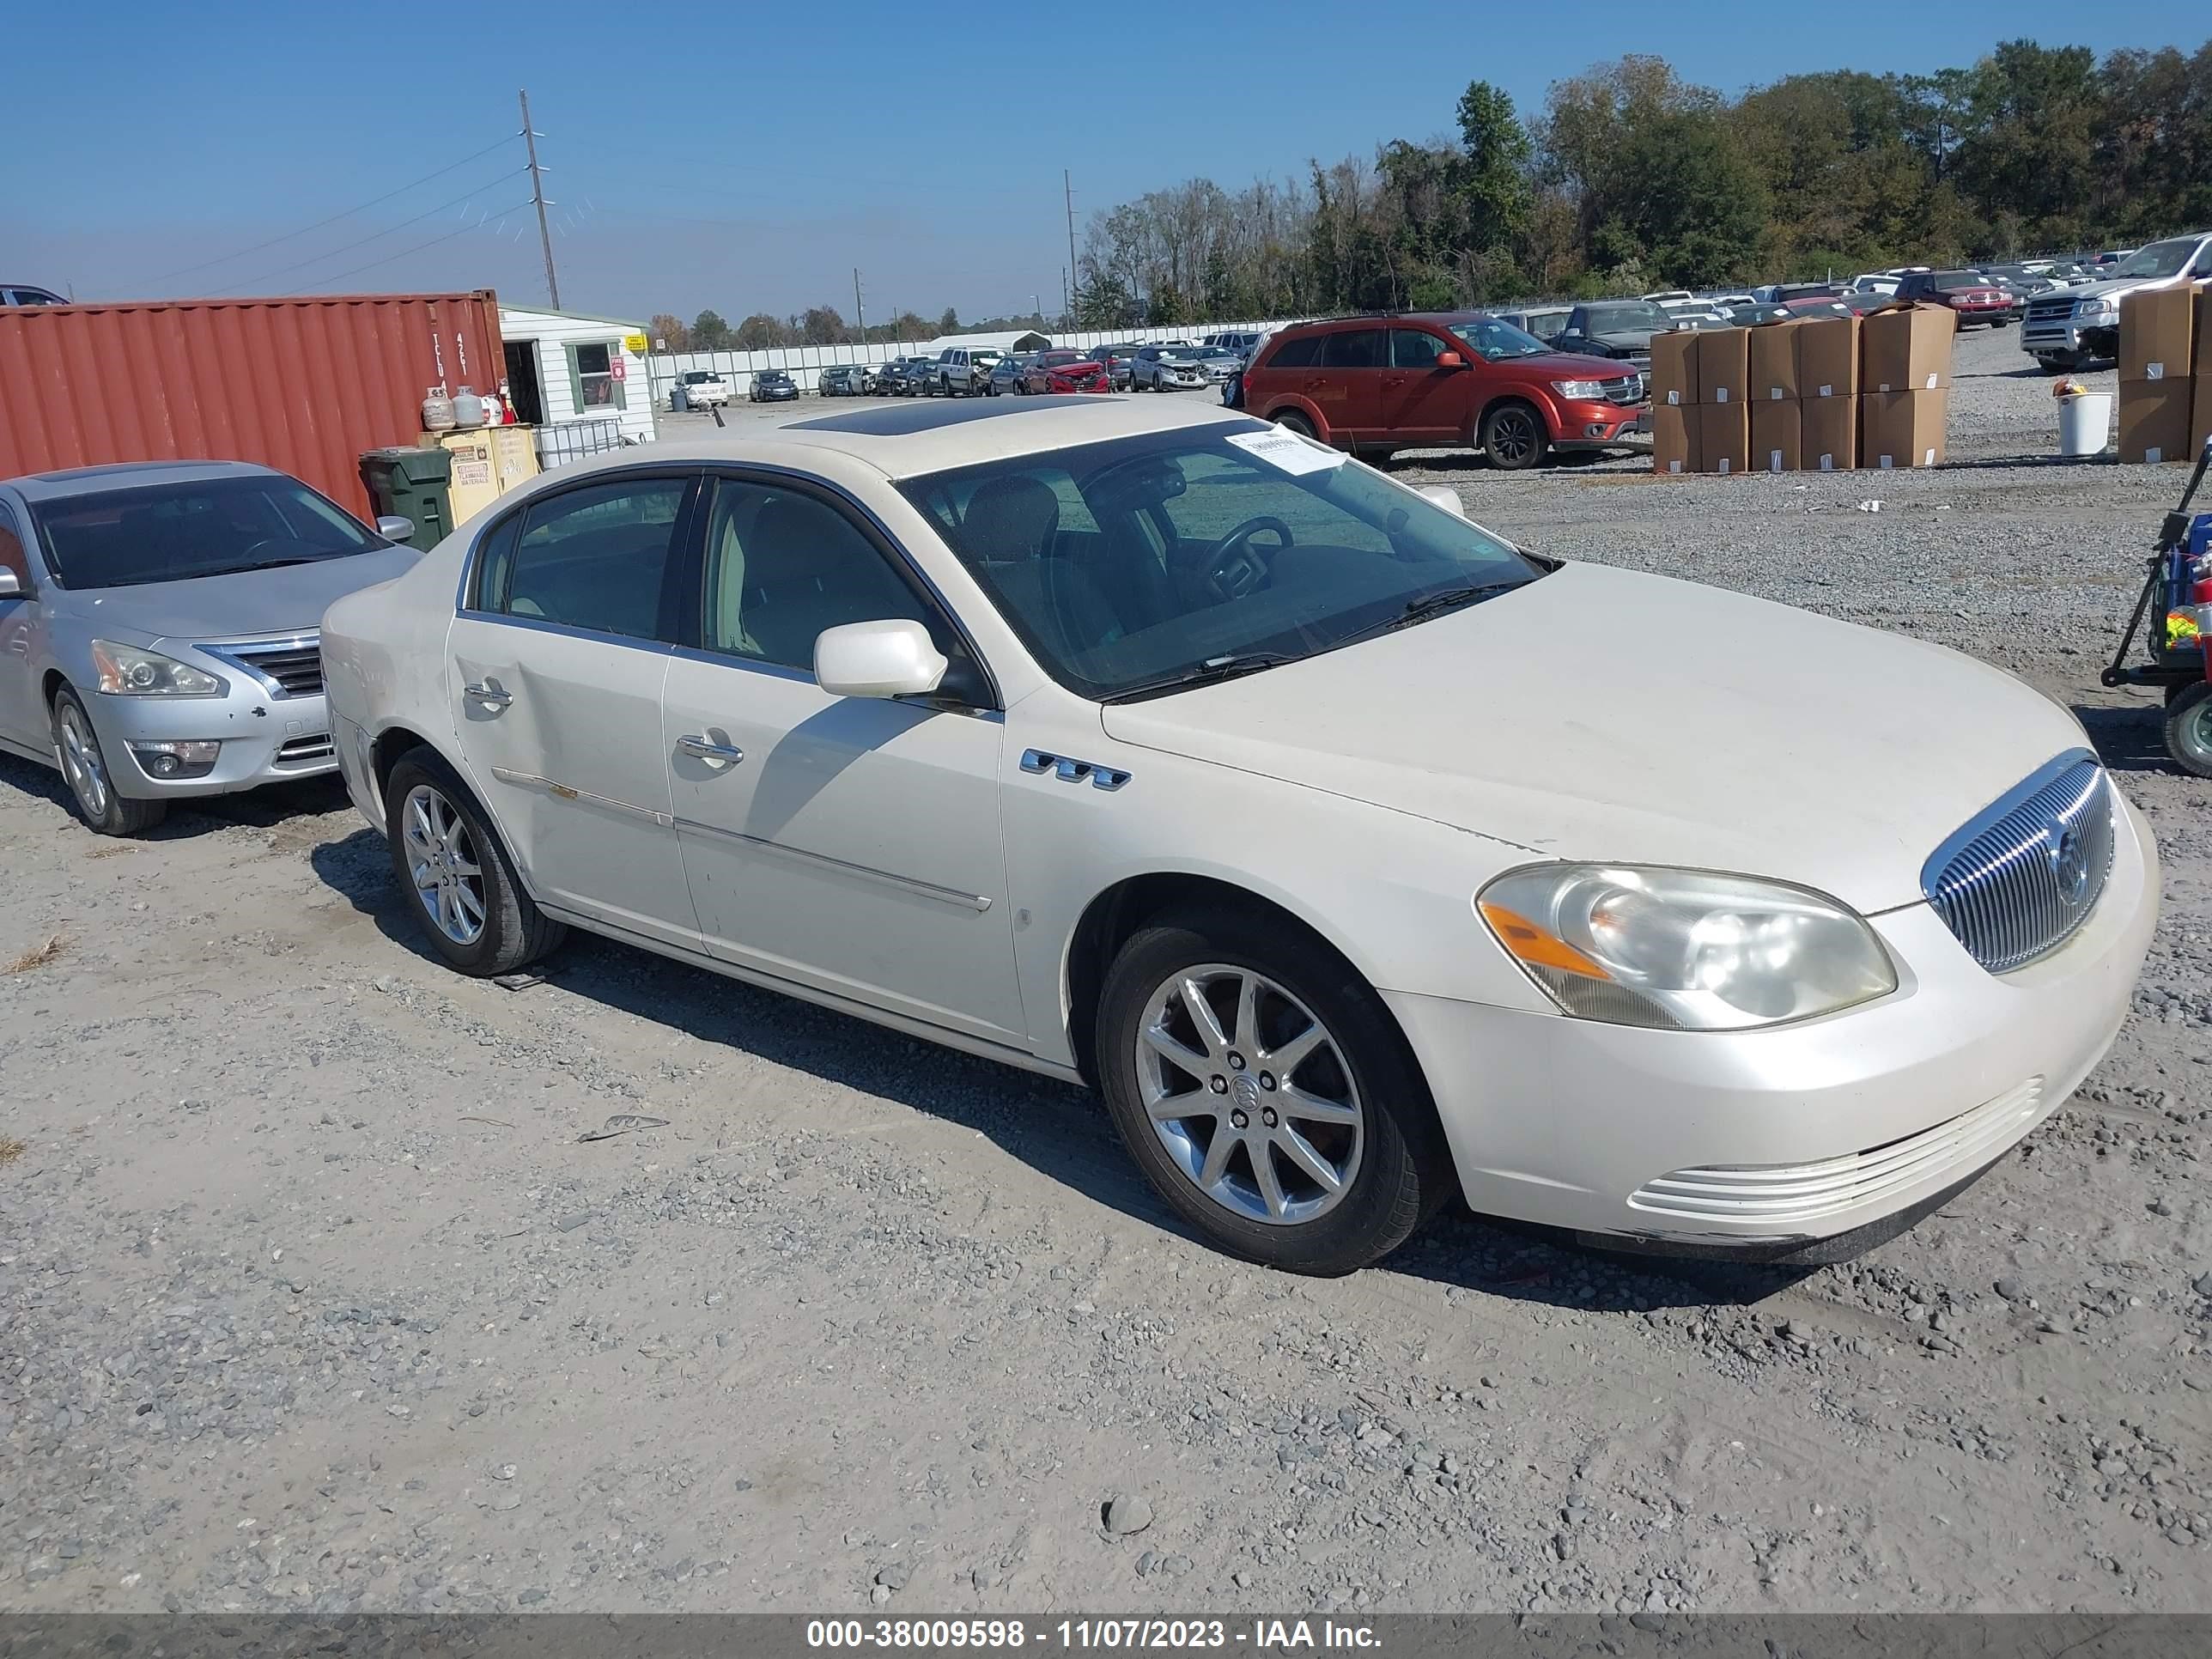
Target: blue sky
(747, 156)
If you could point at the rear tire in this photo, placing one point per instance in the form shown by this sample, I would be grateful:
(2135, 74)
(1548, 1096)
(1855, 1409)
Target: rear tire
(454, 874)
(91, 783)
(1351, 1101)
(1289, 421)
(2189, 728)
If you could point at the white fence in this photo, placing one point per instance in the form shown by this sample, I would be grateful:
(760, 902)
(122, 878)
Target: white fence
(805, 364)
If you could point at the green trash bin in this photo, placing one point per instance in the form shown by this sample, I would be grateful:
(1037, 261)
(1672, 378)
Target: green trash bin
(414, 485)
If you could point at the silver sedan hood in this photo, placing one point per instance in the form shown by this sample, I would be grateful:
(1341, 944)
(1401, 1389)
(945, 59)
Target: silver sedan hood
(1605, 714)
(289, 599)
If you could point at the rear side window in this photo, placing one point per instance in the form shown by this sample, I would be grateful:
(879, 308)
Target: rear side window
(1302, 353)
(596, 558)
(1354, 347)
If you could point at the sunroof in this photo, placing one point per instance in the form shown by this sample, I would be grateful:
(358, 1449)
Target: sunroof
(895, 421)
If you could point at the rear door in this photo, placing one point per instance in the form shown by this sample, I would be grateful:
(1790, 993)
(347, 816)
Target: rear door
(1347, 387)
(1419, 400)
(555, 674)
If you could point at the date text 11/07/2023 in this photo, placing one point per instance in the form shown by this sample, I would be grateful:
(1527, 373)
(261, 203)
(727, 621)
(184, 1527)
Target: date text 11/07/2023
(1256, 1636)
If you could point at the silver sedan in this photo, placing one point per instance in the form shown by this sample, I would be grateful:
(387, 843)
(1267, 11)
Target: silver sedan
(160, 628)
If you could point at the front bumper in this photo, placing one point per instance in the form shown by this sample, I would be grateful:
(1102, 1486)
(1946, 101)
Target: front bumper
(1600, 425)
(265, 739)
(1765, 1142)
(2070, 336)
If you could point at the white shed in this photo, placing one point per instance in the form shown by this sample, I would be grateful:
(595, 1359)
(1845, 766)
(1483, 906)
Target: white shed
(564, 366)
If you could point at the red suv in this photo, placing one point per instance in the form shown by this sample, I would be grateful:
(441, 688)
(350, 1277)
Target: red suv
(1374, 385)
(1972, 295)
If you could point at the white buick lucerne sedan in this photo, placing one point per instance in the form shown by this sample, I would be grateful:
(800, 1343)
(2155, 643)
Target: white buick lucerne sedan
(1353, 855)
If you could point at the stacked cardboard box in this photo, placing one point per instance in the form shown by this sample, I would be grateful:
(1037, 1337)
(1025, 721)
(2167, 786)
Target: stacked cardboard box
(2157, 352)
(1723, 413)
(1905, 384)
(2200, 420)
(1828, 387)
(1674, 401)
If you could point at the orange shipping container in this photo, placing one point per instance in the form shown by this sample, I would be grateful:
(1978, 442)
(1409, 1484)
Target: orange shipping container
(304, 384)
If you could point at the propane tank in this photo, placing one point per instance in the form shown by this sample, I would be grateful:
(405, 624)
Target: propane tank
(468, 409)
(437, 410)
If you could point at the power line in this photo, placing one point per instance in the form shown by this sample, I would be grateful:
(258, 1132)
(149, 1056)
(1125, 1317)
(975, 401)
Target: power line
(373, 236)
(293, 235)
(325, 281)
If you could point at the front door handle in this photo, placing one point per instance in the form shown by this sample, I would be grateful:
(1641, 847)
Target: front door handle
(707, 749)
(484, 692)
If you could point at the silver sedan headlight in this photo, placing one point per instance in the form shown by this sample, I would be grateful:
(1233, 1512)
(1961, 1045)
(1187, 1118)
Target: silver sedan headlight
(1683, 950)
(130, 671)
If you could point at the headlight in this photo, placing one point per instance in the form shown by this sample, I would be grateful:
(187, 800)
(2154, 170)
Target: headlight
(1683, 950)
(128, 671)
(1582, 391)
(2096, 308)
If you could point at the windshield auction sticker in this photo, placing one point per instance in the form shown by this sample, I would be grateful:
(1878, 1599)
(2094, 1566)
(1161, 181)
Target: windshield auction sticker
(1288, 451)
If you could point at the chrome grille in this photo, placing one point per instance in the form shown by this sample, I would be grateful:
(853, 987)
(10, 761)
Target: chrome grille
(2050, 311)
(1627, 390)
(292, 666)
(2016, 882)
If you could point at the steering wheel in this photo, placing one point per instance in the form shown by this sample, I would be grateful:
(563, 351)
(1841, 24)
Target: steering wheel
(1232, 567)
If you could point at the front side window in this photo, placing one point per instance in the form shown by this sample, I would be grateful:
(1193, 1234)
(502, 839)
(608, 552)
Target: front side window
(208, 527)
(1414, 348)
(783, 564)
(12, 556)
(596, 558)
(591, 374)
(1127, 564)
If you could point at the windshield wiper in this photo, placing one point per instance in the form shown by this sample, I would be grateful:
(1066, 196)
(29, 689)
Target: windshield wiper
(1210, 672)
(1434, 604)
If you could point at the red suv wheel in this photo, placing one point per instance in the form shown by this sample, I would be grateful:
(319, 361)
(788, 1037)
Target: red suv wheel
(1513, 436)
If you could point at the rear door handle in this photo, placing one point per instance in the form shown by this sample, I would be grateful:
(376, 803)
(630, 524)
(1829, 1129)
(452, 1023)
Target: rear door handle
(707, 749)
(484, 692)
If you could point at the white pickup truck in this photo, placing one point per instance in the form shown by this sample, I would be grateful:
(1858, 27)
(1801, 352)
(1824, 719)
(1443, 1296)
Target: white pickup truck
(2077, 326)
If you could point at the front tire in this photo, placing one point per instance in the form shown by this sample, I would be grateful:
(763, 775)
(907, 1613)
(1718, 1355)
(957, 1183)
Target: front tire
(1267, 1094)
(84, 766)
(1513, 437)
(2189, 727)
(458, 879)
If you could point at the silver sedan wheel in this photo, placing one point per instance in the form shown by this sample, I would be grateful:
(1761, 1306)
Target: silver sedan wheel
(81, 763)
(1250, 1094)
(441, 858)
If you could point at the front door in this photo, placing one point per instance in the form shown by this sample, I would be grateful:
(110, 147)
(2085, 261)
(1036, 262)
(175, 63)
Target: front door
(849, 844)
(22, 709)
(1420, 401)
(555, 677)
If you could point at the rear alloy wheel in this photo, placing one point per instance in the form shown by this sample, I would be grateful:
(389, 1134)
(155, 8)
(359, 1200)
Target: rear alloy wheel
(1267, 1094)
(84, 768)
(457, 876)
(2189, 727)
(1513, 437)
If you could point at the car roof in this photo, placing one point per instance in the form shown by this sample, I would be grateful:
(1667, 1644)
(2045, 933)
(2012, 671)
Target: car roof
(132, 475)
(905, 440)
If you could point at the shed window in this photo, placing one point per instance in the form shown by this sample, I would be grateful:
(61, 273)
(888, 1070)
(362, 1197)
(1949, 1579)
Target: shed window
(592, 376)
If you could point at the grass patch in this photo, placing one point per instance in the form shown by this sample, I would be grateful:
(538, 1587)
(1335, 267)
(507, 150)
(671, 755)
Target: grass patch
(10, 1149)
(39, 955)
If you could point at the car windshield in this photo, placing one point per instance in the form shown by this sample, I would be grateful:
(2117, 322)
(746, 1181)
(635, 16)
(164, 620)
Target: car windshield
(1213, 351)
(1494, 341)
(1174, 353)
(1138, 564)
(210, 527)
(699, 377)
(1054, 359)
(1637, 318)
(2158, 259)
(1951, 282)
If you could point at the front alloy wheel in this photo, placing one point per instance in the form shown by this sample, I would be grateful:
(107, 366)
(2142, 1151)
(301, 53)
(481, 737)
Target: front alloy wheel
(84, 768)
(1513, 437)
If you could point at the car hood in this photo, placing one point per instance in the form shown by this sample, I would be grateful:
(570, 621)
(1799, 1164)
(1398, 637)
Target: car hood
(1606, 714)
(2111, 286)
(290, 599)
(1572, 365)
(1626, 339)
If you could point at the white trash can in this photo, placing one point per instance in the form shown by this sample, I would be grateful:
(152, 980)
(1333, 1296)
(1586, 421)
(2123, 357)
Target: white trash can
(2084, 423)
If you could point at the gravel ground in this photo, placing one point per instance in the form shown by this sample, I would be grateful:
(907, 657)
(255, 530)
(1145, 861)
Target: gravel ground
(314, 1300)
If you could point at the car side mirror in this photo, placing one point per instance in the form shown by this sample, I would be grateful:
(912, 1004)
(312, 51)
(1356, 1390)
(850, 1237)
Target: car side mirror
(1445, 497)
(877, 659)
(394, 528)
(1450, 359)
(11, 585)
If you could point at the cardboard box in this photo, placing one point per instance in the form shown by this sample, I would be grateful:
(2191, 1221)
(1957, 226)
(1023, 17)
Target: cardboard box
(1777, 437)
(1674, 369)
(1773, 374)
(1905, 348)
(1673, 437)
(1830, 440)
(2203, 330)
(1723, 365)
(1899, 429)
(2155, 330)
(1828, 358)
(2200, 420)
(2155, 420)
(1724, 434)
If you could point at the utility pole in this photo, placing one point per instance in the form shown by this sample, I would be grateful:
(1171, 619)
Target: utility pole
(860, 316)
(1067, 187)
(538, 195)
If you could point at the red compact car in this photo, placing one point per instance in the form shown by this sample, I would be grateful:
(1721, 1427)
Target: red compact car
(1972, 295)
(1374, 385)
(1062, 370)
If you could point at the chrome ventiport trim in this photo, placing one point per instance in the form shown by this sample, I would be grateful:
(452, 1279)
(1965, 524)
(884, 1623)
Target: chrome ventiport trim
(2014, 882)
(1070, 770)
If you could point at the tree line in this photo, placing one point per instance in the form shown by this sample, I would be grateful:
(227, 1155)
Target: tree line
(1632, 178)
(818, 325)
